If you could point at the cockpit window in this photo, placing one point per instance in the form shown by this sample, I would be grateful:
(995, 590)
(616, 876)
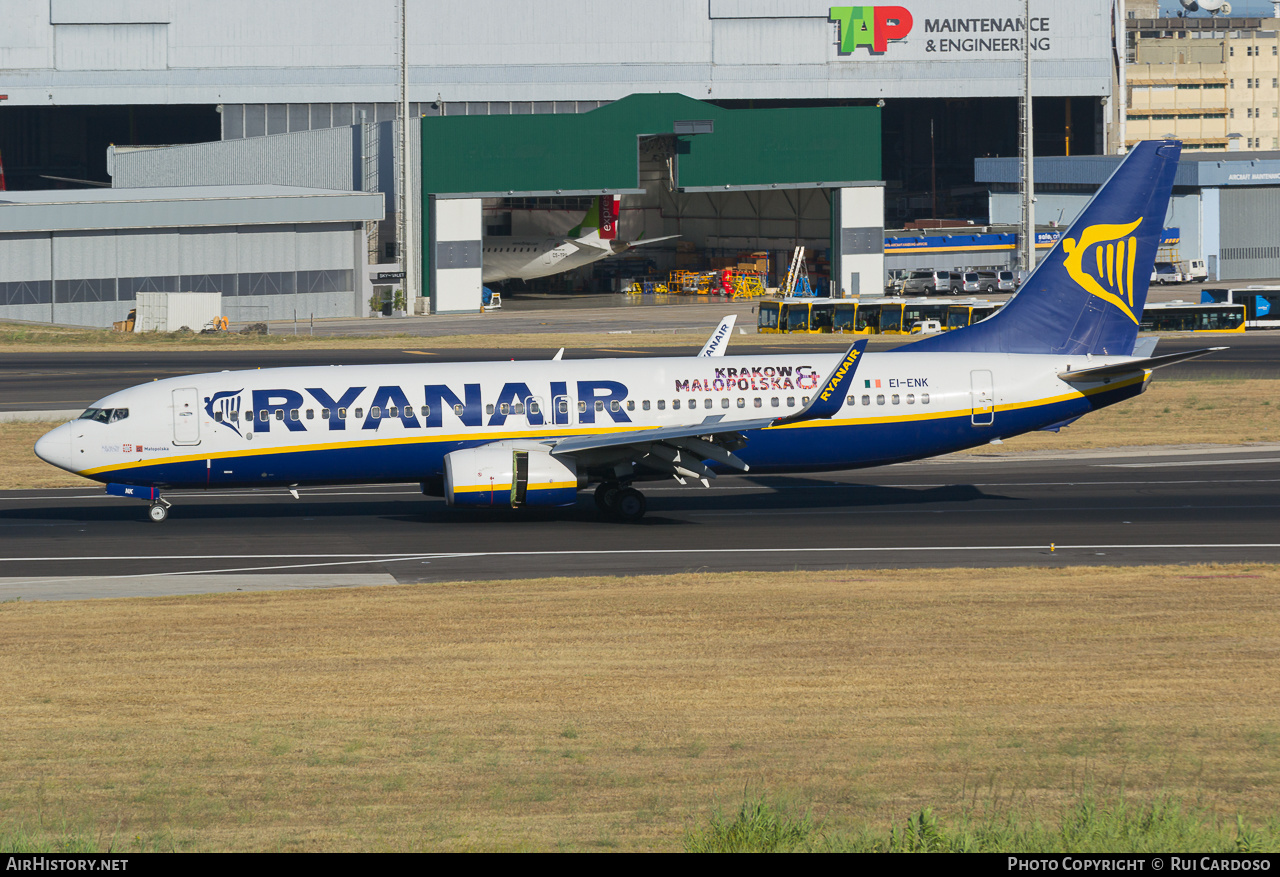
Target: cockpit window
(105, 415)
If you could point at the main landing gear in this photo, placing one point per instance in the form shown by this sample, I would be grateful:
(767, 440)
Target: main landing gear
(616, 501)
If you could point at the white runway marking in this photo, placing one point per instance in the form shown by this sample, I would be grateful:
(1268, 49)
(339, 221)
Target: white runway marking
(595, 552)
(1186, 463)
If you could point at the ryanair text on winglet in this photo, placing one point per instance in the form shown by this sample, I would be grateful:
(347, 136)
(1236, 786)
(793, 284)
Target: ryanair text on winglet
(839, 374)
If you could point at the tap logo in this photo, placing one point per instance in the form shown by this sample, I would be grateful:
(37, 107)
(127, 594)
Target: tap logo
(870, 26)
(1115, 251)
(224, 408)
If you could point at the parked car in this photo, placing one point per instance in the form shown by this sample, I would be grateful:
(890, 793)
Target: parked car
(1007, 281)
(929, 282)
(979, 281)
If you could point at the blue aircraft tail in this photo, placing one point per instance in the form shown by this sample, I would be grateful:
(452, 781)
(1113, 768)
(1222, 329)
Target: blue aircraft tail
(1087, 295)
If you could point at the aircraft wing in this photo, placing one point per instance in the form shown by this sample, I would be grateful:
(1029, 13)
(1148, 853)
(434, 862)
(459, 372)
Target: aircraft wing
(1103, 372)
(719, 339)
(683, 451)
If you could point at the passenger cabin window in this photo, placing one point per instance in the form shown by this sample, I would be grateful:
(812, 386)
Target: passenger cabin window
(599, 405)
(324, 413)
(293, 413)
(924, 398)
(675, 404)
(264, 415)
(645, 405)
(879, 400)
(724, 403)
(662, 404)
(342, 414)
(866, 400)
(426, 410)
(457, 409)
(582, 406)
(375, 412)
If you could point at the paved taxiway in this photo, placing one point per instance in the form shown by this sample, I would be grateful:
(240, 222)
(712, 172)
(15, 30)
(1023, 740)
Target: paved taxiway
(64, 381)
(1183, 505)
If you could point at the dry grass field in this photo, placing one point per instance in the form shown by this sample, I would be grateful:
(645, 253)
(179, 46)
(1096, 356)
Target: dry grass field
(616, 713)
(1169, 413)
(54, 339)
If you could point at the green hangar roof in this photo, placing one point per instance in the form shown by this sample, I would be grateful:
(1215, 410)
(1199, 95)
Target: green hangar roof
(492, 156)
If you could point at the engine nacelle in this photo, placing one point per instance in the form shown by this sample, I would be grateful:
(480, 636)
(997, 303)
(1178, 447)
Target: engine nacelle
(513, 474)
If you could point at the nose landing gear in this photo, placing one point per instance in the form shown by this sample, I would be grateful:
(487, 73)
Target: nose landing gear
(160, 506)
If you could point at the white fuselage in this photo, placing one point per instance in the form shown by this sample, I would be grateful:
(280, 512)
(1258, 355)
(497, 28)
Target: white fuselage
(395, 422)
(527, 258)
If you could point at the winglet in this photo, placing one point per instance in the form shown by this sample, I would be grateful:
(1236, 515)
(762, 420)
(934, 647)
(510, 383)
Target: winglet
(559, 355)
(719, 339)
(830, 398)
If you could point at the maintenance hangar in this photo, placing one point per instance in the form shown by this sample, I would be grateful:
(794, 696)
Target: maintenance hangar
(83, 74)
(726, 184)
(80, 257)
(1226, 206)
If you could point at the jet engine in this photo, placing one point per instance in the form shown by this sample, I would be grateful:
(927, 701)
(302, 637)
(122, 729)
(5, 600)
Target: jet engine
(513, 474)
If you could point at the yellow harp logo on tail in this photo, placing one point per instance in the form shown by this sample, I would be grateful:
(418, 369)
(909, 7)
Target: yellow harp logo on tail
(1113, 255)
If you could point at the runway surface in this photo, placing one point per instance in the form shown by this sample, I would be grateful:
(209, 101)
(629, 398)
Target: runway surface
(64, 381)
(1181, 506)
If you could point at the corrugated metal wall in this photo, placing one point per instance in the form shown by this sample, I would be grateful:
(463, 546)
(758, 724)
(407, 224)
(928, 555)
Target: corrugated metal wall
(1250, 236)
(323, 159)
(92, 278)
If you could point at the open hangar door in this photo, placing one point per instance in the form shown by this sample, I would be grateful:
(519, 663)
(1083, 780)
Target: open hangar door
(726, 183)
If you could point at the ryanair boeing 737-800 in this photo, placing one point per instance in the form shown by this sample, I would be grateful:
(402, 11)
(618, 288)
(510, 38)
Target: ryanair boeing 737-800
(536, 433)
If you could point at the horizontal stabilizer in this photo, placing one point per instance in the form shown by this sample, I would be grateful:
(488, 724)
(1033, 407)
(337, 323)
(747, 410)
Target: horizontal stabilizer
(1102, 373)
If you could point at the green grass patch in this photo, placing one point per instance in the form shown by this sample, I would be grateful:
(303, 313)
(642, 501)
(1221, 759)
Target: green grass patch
(1086, 825)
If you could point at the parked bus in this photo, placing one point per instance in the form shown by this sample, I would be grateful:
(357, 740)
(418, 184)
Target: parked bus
(1178, 316)
(968, 313)
(876, 316)
(1261, 303)
(805, 315)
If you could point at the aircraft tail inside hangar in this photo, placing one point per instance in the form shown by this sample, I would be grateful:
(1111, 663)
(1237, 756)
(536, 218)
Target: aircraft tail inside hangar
(686, 162)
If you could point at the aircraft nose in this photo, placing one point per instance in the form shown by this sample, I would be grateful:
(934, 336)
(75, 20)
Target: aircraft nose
(55, 447)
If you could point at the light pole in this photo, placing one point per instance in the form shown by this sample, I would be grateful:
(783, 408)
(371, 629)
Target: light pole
(1027, 254)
